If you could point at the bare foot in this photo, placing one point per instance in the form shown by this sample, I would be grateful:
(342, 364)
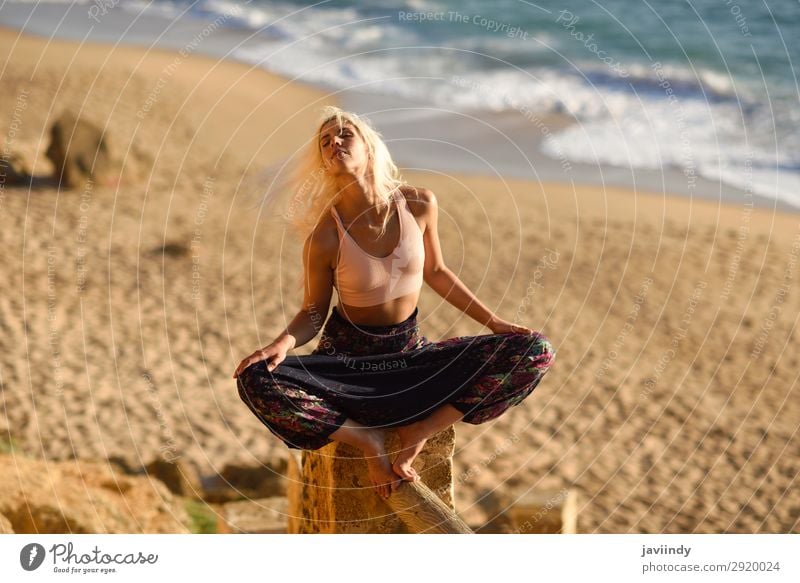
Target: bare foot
(412, 440)
(379, 469)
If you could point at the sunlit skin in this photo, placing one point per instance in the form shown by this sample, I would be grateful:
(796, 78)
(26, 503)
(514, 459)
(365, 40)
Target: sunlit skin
(345, 156)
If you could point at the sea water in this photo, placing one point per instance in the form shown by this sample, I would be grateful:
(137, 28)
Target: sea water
(697, 98)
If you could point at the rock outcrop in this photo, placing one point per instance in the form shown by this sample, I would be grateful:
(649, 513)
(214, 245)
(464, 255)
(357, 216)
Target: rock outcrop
(78, 150)
(177, 476)
(261, 516)
(80, 497)
(14, 171)
(329, 491)
(237, 482)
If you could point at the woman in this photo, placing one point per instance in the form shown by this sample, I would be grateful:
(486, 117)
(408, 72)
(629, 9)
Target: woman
(375, 240)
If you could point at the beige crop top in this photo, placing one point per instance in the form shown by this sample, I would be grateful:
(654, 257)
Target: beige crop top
(363, 280)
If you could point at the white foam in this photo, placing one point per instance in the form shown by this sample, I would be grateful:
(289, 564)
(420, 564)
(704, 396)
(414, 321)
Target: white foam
(717, 128)
(713, 140)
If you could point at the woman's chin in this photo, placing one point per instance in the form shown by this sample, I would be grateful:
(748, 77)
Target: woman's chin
(340, 167)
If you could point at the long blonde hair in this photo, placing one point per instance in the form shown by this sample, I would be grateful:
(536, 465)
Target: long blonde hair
(312, 190)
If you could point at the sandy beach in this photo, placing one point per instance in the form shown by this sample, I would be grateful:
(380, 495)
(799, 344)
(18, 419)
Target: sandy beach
(673, 404)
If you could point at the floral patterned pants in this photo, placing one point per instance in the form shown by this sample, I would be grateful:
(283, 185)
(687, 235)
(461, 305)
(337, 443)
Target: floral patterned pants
(386, 376)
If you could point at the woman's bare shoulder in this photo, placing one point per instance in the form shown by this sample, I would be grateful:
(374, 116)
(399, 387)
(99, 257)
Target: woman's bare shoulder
(420, 200)
(323, 242)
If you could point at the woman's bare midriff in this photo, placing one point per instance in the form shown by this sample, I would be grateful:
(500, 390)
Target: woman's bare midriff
(386, 314)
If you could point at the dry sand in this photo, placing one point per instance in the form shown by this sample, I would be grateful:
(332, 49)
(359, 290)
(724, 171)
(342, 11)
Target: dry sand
(672, 406)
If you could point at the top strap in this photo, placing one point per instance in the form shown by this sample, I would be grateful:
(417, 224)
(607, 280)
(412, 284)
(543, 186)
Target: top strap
(337, 218)
(393, 195)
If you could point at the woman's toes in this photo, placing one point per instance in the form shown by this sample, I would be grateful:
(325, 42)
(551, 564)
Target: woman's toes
(405, 471)
(394, 484)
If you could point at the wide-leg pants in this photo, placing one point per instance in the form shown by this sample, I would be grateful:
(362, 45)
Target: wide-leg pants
(387, 376)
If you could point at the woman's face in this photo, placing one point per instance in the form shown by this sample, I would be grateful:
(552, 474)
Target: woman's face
(342, 149)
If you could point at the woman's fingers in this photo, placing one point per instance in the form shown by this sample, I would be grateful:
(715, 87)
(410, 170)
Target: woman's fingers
(257, 356)
(394, 485)
(386, 490)
(241, 367)
(245, 363)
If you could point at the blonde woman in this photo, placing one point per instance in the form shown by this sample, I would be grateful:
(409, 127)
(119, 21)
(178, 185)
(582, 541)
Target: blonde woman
(374, 239)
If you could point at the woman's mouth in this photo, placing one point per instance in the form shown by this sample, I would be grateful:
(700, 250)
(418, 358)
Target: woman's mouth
(339, 154)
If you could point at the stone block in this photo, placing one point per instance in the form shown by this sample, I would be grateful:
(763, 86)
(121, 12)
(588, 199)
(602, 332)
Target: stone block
(261, 516)
(329, 492)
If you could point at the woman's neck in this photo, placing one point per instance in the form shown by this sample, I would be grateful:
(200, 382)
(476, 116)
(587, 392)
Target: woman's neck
(360, 201)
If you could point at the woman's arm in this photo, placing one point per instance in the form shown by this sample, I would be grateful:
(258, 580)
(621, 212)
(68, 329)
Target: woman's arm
(309, 320)
(318, 290)
(438, 276)
(450, 287)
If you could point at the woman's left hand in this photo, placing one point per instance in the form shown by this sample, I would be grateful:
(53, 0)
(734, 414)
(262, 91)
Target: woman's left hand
(504, 326)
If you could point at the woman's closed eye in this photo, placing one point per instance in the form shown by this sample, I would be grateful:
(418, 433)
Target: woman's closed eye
(326, 140)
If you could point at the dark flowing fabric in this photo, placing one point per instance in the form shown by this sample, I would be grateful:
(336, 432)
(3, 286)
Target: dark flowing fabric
(386, 376)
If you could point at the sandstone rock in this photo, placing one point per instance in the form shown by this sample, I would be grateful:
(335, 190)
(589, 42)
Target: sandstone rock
(78, 150)
(84, 497)
(122, 465)
(262, 516)
(329, 490)
(177, 476)
(236, 482)
(14, 171)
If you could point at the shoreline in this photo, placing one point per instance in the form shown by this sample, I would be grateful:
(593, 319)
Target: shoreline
(460, 147)
(510, 124)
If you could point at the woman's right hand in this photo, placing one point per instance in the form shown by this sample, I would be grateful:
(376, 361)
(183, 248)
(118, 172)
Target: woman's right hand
(275, 353)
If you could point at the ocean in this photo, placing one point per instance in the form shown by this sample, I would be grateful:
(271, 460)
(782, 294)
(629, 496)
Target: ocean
(698, 98)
